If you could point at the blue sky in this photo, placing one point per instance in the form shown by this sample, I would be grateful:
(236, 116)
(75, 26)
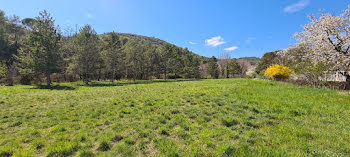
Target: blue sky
(207, 27)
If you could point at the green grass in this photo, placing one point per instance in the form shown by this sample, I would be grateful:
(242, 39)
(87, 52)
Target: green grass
(177, 118)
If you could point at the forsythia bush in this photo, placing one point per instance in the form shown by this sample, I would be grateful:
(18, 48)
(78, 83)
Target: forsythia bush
(278, 72)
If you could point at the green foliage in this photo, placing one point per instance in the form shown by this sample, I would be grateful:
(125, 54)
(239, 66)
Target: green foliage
(10, 34)
(3, 70)
(252, 60)
(39, 53)
(213, 68)
(166, 52)
(234, 68)
(309, 71)
(134, 59)
(267, 60)
(112, 54)
(191, 65)
(87, 54)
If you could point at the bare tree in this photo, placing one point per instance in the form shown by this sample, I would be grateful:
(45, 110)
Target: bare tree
(203, 68)
(223, 62)
(245, 65)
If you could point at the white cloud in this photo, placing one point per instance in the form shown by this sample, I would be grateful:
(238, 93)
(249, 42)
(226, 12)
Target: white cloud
(300, 5)
(89, 15)
(231, 48)
(215, 41)
(192, 43)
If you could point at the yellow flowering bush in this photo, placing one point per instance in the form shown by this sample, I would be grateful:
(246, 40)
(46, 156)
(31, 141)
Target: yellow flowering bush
(278, 72)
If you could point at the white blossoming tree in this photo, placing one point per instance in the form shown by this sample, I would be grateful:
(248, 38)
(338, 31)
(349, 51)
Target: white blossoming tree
(328, 40)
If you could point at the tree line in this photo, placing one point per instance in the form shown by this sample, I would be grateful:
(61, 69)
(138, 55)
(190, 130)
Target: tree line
(33, 50)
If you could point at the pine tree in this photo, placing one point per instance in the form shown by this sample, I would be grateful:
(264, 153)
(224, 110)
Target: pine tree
(234, 68)
(134, 59)
(87, 56)
(112, 54)
(39, 53)
(176, 61)
(191, 65)
(151, 60)
(166, 52)
(213, 68)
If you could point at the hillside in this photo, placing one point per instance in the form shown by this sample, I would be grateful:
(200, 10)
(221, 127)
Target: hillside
(252, 60)
(230, 117)
(152, 40)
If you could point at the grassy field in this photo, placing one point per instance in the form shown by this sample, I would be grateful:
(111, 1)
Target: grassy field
(177, 118)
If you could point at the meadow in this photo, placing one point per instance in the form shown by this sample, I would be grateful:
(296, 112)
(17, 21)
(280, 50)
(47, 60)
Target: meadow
(229, 117)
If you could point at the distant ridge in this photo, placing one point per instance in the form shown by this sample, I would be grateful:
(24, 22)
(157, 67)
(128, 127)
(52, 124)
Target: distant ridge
(152, 40)
(158, 42)
(251, 60)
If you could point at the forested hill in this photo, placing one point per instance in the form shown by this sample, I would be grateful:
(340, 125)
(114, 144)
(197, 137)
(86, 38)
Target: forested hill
(251, 60)
(154, 41)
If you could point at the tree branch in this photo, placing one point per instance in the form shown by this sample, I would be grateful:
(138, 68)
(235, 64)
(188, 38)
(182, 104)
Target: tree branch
(347, 50)
(330, 40)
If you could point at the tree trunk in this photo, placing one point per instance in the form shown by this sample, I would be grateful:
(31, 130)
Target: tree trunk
(86, 79)
(165, 74)
(48, 80)
(10, 73)
(227, 73)
(165, 70)
(65, 77)
(112, 79)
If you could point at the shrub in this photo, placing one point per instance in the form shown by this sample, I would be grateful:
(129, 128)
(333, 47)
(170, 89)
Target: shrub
(172, 76)
(278, 72)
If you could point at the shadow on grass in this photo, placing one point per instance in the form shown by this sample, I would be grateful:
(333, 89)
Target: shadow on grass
(109, 84)
(55, 87)
(117, 83)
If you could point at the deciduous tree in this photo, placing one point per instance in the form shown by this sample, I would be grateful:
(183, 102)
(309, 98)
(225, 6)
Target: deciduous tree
(328, 39)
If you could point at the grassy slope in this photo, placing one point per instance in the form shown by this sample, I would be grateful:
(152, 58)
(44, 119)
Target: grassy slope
(186, 118)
